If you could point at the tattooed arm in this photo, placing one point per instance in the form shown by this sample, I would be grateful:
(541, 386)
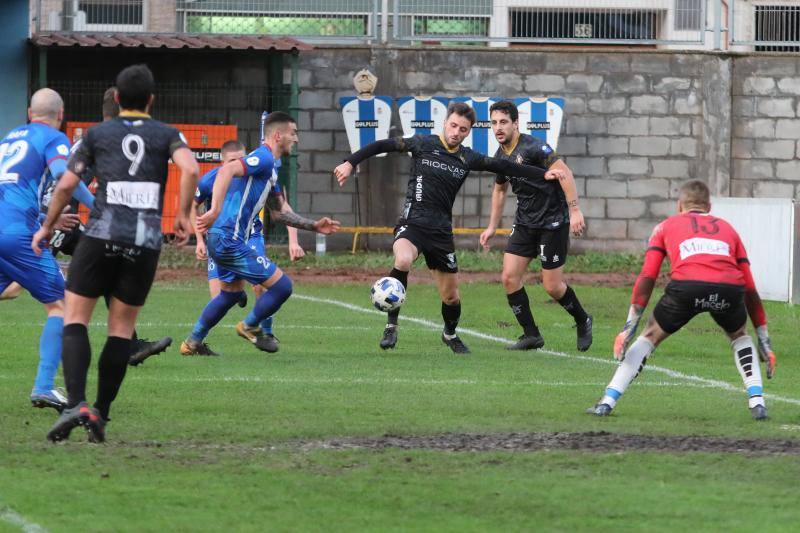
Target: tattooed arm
(281, 211)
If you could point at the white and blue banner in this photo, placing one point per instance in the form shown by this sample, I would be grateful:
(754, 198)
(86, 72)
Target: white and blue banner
(481, 138)
(423, 115)
(366, 120)
(541, 118)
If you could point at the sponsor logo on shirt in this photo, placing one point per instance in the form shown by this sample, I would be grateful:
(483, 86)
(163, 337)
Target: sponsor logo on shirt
(422, 124)
(366, 123)
(699, 245)
(457, 172)
(133, 194)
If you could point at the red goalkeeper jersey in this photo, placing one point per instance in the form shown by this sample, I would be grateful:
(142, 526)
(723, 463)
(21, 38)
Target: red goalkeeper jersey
(700, 247)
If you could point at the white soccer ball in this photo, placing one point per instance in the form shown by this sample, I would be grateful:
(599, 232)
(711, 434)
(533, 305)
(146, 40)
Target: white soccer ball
(388, 294)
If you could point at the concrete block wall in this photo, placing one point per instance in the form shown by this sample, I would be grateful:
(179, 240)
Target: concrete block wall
(638, 123)
(766, 127)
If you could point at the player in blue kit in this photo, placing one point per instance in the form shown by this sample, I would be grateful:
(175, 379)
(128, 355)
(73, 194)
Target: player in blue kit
(233, 151)
(31, 158)
(241, 189)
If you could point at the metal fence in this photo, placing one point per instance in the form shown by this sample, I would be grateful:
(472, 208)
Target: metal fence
(640, 22)
(312, 20)
(769, 25)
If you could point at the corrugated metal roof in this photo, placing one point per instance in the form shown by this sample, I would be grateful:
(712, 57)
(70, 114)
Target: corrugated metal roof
(168, 40)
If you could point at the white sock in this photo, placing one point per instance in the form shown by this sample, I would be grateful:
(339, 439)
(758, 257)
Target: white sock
(628, 369)
(744, 355)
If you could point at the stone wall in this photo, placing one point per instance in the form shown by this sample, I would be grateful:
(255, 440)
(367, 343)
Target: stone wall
(637, 125)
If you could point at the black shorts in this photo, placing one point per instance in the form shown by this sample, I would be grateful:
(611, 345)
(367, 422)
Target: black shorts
(550, 245)
(101, 267)
(65, 242)
(437, 246)
(683, 300)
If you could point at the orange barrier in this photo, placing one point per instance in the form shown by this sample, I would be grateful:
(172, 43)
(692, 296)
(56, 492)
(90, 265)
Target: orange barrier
(205, 140)
(387, 230)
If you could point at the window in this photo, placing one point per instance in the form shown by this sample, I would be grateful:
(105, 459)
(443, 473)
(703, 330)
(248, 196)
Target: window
(688, 15)
(109, 12)
(610, 25)
(778, 23)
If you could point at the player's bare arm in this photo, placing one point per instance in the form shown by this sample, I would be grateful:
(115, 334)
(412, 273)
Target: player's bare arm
(61, 197)
(281, 211)
(200, 250)
(567, 182)
(221, 184)
(498, 201)
(190, 171)
(296, 251)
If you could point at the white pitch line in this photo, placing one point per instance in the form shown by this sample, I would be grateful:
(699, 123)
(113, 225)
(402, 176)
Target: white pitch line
(10, 516)
(713, 383)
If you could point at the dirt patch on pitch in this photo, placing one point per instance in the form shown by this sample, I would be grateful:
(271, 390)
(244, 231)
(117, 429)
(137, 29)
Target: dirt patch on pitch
(600, 442)
(329, 276)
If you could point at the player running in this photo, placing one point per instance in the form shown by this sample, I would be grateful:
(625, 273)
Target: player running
(65, 240)
(709, 272)
(31, 157)
(233, 151)
(118, 254)
(547, 211)
(439, 168)
(240, 191)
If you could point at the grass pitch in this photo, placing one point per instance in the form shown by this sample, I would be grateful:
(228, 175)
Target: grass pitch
(297, 440)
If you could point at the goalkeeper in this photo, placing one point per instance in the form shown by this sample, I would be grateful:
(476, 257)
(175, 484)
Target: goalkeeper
(709, 272)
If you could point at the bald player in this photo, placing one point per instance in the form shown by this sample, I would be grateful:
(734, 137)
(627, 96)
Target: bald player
(33, 156)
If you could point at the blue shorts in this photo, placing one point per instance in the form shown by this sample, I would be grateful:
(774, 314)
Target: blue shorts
(236, 259)
(38, 274)
(256, 242)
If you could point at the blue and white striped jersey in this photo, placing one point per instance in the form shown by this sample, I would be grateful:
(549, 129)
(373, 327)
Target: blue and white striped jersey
(247, 194)
(366, 120)
(481, 138)
(541, 118)
(31, 157)
(423, 116)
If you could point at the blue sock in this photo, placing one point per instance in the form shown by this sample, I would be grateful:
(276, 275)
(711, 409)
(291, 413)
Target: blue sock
(266, 325)
(49, 354)
(213, 313)
(269, 302)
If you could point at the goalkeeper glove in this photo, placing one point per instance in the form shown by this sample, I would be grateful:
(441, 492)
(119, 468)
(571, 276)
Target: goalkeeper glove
(765, 352)
(626, 335)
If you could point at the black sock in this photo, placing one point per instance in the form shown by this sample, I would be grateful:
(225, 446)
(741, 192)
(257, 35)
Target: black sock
(402, 277)
(111, 370)
(571, 304)
(451, 314)
(76, 354)
(521, 307)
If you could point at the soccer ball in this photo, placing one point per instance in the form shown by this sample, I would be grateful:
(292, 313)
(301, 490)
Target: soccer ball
(388, 294)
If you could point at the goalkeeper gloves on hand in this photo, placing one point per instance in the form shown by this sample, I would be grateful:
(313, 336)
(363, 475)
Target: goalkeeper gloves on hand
(626, 335)
(765, 352)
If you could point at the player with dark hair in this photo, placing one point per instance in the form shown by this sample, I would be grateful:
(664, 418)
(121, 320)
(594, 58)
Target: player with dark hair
(241, 189)
(65, 240)
(118, 254)
(233, 150)
(709, 272)
(547, 211)
(439, 168)
(32, 157)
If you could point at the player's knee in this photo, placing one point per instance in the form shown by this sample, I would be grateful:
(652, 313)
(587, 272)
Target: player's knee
(403, 262)
(282, 288)
(555, 290)
(258, 290)
(511, 281)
